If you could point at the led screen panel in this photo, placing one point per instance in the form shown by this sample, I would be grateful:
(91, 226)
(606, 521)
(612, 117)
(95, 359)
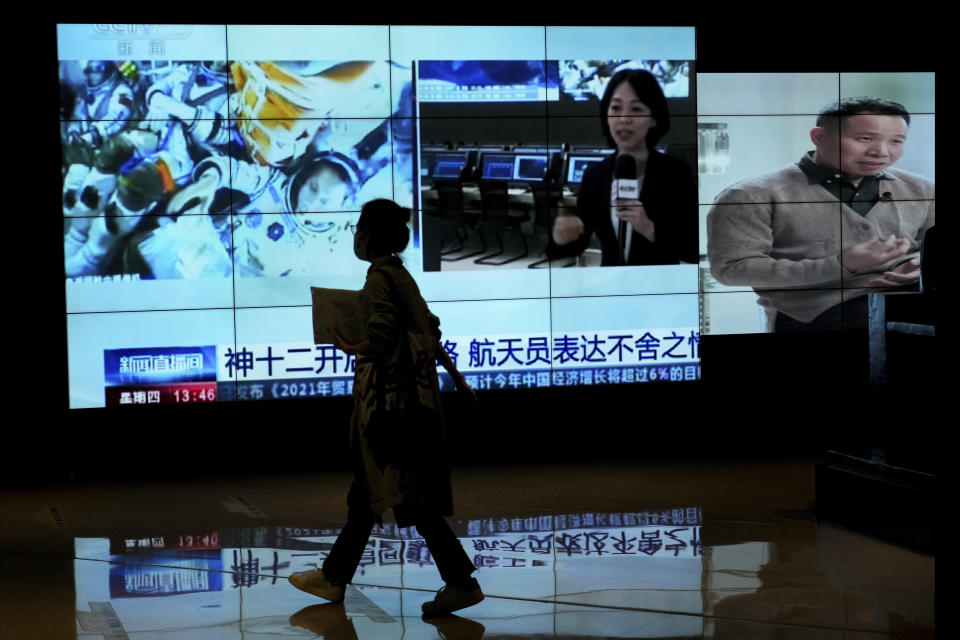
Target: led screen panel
(803, 216)
(212, 174)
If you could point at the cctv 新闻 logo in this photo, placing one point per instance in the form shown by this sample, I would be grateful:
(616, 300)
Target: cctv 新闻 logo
(142, 31)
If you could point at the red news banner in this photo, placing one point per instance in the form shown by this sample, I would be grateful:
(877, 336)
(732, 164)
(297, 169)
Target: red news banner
(177, 393)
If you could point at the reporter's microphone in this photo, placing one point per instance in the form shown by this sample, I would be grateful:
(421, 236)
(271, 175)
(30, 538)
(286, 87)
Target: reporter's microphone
(625, 182)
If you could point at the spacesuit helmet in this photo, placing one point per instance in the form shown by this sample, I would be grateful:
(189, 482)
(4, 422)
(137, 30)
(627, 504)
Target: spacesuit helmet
(99, 73)
(324, 182)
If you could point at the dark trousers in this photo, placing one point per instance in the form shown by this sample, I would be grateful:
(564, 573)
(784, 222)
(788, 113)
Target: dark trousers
(851, 314)
(452, 561)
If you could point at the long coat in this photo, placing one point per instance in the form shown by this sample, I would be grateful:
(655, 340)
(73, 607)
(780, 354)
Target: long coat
(417, 473)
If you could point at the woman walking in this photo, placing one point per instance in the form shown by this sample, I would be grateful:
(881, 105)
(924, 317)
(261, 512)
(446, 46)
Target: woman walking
(397, 433)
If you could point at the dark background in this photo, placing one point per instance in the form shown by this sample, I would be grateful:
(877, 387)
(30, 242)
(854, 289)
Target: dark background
(760, 395)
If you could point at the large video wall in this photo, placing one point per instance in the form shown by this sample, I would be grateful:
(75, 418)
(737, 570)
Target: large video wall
(212, 175)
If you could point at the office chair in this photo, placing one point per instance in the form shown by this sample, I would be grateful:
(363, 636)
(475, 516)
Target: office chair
(546, 196)
(453, 215)
(495, 202)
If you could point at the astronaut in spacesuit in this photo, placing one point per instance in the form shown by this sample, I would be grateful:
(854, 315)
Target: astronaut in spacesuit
(309, 162)
(104, 103)
(103, 107)
(289, 110)
(280, 213)
(137, 168)
(195, 95)
(314, 138)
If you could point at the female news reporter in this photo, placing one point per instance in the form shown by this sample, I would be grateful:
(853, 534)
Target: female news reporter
(661, 226)
(396, 430)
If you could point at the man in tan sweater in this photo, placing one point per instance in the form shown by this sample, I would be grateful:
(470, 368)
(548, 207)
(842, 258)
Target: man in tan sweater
(814, 238)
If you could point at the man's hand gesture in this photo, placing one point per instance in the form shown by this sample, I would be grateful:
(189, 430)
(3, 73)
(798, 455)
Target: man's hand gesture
(905, 273)
(872, 253)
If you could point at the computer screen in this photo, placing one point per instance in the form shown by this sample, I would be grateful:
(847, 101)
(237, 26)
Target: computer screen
(586, 80)
(497, 166)
(487, 80)
(449, 165)
(530, 167)
(576, 165)
(427, 161)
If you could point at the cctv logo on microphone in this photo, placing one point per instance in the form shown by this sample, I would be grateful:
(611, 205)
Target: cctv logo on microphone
(627, 189)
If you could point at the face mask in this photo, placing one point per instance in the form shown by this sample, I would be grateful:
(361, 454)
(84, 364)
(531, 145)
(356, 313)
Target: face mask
(360, 249)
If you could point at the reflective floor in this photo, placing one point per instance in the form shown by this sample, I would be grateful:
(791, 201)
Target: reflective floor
(678, 550)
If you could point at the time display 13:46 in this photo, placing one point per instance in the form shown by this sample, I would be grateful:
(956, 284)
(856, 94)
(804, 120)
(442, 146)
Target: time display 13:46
(200, 393)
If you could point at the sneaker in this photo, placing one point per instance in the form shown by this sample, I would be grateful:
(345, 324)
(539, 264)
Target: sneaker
(316, 583)
(453, 598)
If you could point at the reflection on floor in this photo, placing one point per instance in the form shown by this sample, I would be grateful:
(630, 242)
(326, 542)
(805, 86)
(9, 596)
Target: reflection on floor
(621, 551)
